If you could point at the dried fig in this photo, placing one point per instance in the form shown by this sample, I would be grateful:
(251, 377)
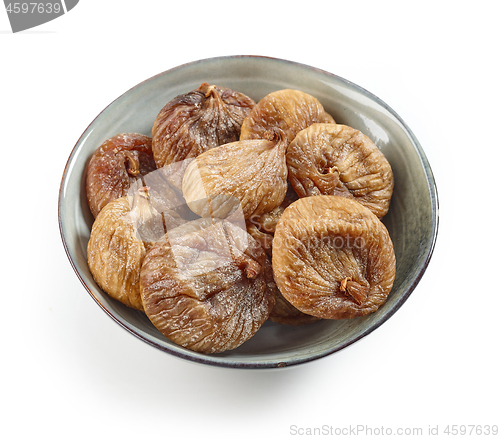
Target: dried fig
(285, 313)
(262, 227)
(264, 239)
(161, 194)
(197, 121)
(117, 163)
(332, 257)
(204, 286)
(122, 232)
(249, 174)
(330, 159)
(289, 110)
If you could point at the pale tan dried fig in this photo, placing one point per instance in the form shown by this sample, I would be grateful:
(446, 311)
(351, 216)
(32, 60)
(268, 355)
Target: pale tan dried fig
(204, 286)
(197, 121)
(117, 164)
(331, 159)
(122, 232)
(333, 258)
(249, 174)
(162, 195)
(288, 110)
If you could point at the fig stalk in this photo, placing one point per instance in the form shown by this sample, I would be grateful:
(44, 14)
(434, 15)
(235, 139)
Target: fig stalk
(133, 164)
(353, 289)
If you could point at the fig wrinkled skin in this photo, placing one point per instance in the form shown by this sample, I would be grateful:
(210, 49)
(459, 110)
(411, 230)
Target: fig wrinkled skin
(162, 195)
(262, 226)
(205, 287)
(264, 239)
(334, 159)
(247, 174)
(333, 258)
(117, 164)
(195, 122)
(121, 234)
(288, 110)
(284, 313)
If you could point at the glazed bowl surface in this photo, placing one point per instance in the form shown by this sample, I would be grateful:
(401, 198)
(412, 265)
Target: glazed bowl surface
(412, 220)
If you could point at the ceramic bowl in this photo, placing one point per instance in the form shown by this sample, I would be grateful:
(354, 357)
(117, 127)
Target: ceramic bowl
(412, 220)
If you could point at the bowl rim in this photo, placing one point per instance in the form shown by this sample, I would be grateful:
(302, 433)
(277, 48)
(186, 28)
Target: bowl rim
(270, 364)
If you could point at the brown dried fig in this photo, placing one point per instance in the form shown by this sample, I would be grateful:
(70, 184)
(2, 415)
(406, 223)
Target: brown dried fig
(264, 239)
(204, 286)
(330, 159)
(117, 163)
(333, 258)
(262, 227)
(248, 174)
(285, 313)
(197, 121)
(122, 232)
(289, 110)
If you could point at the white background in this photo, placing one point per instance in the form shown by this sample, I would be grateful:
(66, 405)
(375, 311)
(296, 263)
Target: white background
(69, 371)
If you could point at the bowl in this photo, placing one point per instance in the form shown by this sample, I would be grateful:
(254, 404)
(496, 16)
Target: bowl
(412, 220)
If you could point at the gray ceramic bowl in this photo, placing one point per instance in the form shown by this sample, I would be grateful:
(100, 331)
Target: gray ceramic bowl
(412, 220)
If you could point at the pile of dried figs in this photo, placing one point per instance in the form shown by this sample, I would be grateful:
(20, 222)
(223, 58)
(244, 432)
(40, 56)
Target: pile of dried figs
(235, 212)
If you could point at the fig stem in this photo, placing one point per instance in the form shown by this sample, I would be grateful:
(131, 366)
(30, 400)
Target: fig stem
(250, 267)
(355, 290)
(210, 91)
(144, 191)
(273, 134)
(330, 171)
(133, 164)
(206, 89)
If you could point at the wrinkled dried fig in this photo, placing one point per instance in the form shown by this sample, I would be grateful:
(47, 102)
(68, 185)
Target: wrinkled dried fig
(249, 174)
(285, 313)
(117, 163)
(289, 110)
(122, 232)
(330, 159)
(204, 286)
(161, 194)
(262, 227)
(264, 239)
(197, 121)
(332, 258)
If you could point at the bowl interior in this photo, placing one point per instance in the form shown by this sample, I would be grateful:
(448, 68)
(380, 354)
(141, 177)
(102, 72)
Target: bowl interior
(411, 221)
